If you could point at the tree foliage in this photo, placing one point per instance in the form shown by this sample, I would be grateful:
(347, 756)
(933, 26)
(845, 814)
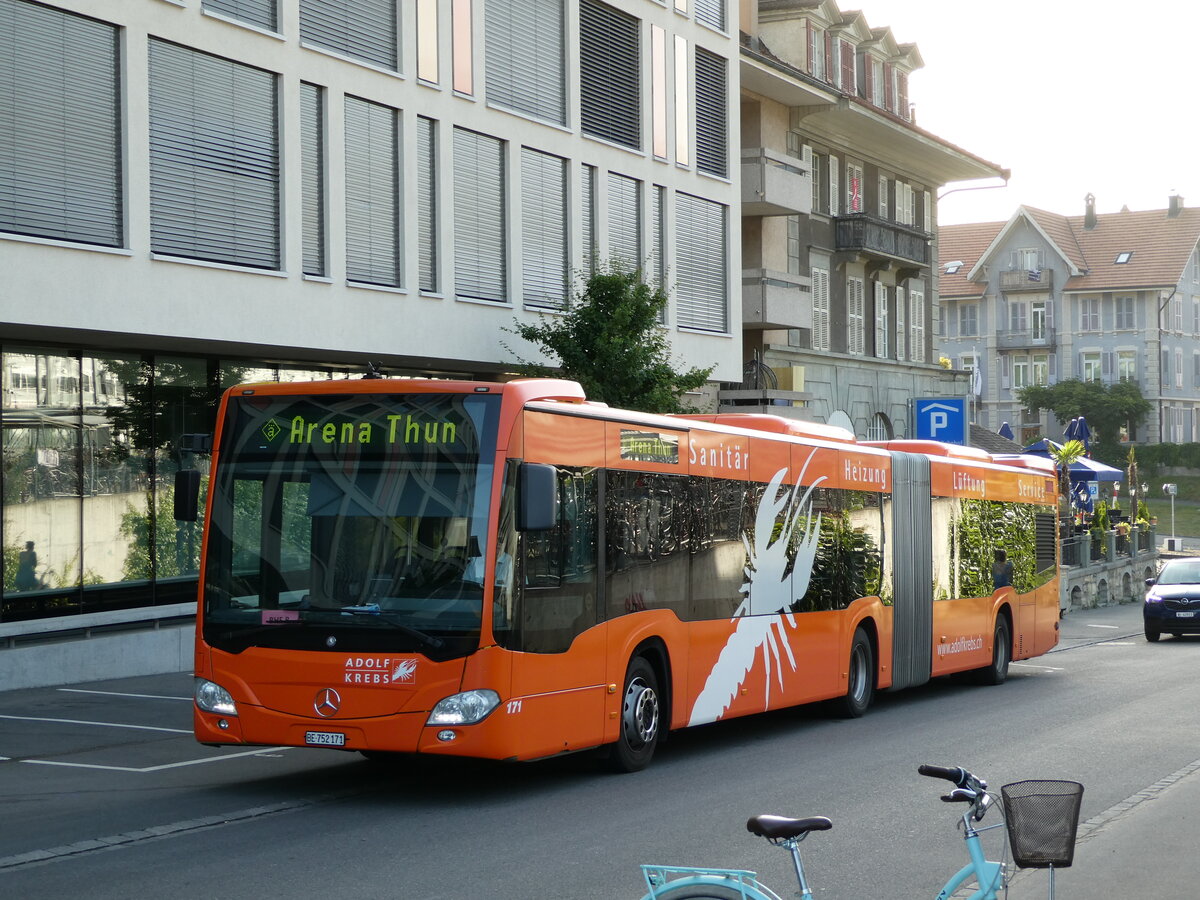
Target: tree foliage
(611, 342)
(1105, 406)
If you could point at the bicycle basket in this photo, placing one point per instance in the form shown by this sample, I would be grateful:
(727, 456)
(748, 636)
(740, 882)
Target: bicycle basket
(1042, 819)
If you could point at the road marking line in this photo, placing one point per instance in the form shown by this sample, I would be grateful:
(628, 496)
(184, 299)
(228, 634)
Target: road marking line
(1103, 626)
(175, 765)
(1044, 668)
(102, 724)
(119, 694)
(1119, 644)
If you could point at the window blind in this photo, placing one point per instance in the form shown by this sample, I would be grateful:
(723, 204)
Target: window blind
(312, 177)
(214, 158)
(712, 128)
(362, 29)
(525, 56)
(427, 217)
(710, 12)
(701, 257)
(256, 12)
(372, 193)
(544, 228)
(60, 115)
(480, 249)
(610, 97)
(625, 220)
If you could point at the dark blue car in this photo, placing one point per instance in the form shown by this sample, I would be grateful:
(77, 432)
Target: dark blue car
(1172, 604)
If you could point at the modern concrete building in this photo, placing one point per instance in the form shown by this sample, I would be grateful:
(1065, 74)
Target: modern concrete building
(195, 193)
(839, 185)
(1103, 297)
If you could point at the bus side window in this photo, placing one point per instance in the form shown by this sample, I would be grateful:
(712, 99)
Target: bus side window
(559, 590)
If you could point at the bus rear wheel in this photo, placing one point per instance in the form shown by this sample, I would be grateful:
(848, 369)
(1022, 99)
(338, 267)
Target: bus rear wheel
(860, 678)
(997, 672)
(641, 718)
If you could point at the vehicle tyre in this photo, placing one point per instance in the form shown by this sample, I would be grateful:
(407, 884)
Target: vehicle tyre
(641, 718)
(705, 892)
(860, 678)
(997, 672)
(1152, 633)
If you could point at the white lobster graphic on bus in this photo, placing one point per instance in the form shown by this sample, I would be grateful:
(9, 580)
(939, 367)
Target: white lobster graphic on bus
(768, 589)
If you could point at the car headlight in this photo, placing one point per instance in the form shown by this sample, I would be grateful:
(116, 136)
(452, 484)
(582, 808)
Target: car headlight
(1153, 598)
(466, 708)
(213, 698)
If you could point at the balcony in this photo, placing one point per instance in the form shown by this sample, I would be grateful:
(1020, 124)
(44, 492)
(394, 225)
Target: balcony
(883, 240)
(1021, 280)
(774, 185)
(775, 300)
(1029, 338)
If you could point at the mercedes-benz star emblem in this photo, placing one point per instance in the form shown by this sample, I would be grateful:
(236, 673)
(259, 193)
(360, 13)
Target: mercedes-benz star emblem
(327, 703)
(331, 641)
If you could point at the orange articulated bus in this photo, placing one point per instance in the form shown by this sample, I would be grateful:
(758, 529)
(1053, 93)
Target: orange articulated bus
(508, 571)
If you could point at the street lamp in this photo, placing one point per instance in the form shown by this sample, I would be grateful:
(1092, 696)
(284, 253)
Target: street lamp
(1170, 490)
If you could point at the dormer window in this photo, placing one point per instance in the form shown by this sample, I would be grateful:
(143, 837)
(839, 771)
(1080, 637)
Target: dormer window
(953, 267)
(1123, 257)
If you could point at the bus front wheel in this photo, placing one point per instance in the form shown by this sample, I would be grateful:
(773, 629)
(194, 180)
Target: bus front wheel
(641, 718)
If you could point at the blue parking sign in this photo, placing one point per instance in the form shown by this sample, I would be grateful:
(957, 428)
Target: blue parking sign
(942, 419)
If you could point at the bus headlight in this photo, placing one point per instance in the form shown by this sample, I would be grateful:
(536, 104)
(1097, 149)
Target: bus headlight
(466, 708)
(213, 698)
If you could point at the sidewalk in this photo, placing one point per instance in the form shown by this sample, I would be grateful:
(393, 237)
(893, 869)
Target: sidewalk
(1142, 847)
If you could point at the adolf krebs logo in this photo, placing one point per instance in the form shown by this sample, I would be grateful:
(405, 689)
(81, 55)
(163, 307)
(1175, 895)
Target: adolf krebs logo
(379, 670)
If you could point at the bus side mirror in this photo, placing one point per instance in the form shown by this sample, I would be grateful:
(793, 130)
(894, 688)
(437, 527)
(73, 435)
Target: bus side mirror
(537, 497)
(187, 495)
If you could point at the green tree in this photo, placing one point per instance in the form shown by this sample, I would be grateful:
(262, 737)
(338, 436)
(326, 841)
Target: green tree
(611, 342)
(1105, 406)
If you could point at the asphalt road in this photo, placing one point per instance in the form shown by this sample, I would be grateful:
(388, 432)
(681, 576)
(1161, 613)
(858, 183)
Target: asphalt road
(105, 795)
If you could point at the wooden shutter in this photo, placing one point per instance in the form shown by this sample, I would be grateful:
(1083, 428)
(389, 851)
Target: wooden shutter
(834, 187)
(1005, 372)
(881, 321)
(847, 67)
(901, 317)
(60, 126)
(214, 158)
(902, 82)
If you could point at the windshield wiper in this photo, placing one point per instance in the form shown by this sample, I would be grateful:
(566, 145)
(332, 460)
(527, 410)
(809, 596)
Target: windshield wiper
(373, 612)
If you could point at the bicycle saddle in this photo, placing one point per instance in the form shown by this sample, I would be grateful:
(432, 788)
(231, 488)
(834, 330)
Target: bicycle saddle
(781, 827)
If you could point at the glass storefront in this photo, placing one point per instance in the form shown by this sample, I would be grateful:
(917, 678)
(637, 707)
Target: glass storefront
(90, 445)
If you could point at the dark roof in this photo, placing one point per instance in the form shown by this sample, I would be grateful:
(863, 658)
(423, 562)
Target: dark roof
(992, 442)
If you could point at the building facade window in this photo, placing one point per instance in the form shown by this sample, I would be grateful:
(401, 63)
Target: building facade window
(1089, 314)
(702, 260)
(364, 30)
(462, 45)
(854, 189)
(257, 12)
(372, 193)
(882, 329)
(1040, 368)
(901, 322)
(214, 158)
(312, 177)
(610, 97)
(480, 217)
(625, 221)
(1020, 372)
(711, 13)
(1089, 365)
(525, 58)
(428, 41)
(968, 320)
(544, 228)
(1125, 313)
(712, 114)
(427, 205)
(1127, 365)
(60, 102)
(587, 216)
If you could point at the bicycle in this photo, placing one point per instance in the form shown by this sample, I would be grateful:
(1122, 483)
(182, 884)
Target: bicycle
(1052, 845)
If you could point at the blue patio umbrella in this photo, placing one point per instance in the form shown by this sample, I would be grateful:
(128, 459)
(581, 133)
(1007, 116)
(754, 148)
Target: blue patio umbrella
(1071, 432)
(1081, 497)
(1083, 434)
(1006, 431)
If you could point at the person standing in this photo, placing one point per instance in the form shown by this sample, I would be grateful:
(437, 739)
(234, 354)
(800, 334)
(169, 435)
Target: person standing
(27, 560)
(1002, 570)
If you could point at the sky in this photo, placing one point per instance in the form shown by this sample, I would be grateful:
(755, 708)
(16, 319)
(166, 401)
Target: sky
(1073, 96)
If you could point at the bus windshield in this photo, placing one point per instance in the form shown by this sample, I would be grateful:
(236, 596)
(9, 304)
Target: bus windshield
(350, 522)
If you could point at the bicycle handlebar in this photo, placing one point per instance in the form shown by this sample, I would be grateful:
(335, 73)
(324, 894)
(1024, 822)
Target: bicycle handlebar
(957, 774)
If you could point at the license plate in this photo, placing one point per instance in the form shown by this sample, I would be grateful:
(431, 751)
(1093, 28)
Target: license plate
(325, 738)
(1185, 615)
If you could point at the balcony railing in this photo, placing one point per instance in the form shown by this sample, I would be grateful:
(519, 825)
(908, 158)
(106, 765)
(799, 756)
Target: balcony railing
(1031, 280)
(775, 300)
(1027, 338)
(774, 185)
(881, 238)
